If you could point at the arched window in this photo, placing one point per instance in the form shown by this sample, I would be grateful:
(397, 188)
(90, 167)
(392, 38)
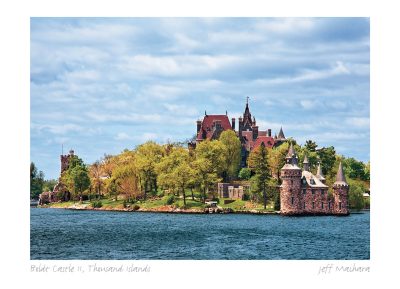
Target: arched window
(292, 201)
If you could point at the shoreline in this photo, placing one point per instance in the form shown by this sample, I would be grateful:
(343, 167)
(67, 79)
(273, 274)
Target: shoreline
(170, 210)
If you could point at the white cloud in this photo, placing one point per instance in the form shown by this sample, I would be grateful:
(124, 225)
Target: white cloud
(308, 104)
(360, 122)
(122, 136)
(286, 25)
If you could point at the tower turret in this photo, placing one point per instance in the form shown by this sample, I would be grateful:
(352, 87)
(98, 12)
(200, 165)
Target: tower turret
(319, 174)
(306, 164)
(341, 193)
(290, 190)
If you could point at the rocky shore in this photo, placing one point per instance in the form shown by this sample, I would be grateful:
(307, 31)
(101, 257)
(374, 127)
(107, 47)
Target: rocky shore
(164, 209)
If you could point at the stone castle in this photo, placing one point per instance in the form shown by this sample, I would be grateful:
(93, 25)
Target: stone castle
(302, 193)
(248, 133)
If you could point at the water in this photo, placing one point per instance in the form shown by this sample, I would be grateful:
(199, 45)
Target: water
(88, 235)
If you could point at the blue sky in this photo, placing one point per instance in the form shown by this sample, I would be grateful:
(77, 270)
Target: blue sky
(100, 85)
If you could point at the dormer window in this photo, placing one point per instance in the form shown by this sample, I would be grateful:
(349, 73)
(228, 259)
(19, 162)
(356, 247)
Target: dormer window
(312, 181)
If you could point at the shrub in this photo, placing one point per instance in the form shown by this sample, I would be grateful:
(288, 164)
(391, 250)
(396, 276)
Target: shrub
(136, 207)
(97, 204)
(245, 174)
(170, 200)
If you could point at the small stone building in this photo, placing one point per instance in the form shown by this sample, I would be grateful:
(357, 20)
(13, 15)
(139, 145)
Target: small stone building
(232, 191)
(303, 193)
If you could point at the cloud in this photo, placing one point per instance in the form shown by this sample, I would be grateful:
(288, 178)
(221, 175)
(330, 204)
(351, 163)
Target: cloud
(360, 122)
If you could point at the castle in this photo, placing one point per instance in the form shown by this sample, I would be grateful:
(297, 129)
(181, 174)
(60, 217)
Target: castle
(59, 193)
(248, 133)
(302, 193)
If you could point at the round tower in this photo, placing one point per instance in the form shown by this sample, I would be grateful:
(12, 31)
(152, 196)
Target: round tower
(291, 185)
(341, 193)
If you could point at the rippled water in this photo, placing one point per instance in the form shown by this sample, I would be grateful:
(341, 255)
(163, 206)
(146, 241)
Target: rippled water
(87, 235)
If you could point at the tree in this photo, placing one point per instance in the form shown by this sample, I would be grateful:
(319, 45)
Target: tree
(95, 172)
(277, 159)
(258, 161)
(48, 185)
(311, 146)
(209, 164)
(354, 169)
(182, 175)
(76, 177)
(232, 152)
(245, 174)
(356, 198)
(148, 155)
(37, 181)
(327, 157)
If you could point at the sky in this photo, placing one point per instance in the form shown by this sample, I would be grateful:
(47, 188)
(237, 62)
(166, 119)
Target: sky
(100, 85)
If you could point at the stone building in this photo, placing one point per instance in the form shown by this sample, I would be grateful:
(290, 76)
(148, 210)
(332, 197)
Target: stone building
(247, 131)
(59, 192)
(303, 193)
(232, 191)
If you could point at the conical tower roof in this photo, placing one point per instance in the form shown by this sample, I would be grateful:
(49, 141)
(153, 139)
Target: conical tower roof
(291, 151)
(305, 159)
(340, 177)
(280, 134)
(306, 165)
(319, 171)
(320, 175)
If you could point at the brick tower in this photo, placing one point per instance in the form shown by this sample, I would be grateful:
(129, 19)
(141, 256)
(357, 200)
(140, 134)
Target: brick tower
(290, 189)
(340, 193)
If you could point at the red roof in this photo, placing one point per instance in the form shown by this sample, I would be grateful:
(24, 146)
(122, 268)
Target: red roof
(267, 140)
(208, 123)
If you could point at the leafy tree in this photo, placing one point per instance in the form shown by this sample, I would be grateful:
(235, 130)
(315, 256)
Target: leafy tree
(276, 158)
(356, 198)
(76, 177)
(311, 146)
(148, 155)
(37, 181)
(327, 156)
(354, 169)
(48, 185)
(245, 174)
(182, 175)
(95, 173)
(258, 161)
(209, 164)
(232, 152)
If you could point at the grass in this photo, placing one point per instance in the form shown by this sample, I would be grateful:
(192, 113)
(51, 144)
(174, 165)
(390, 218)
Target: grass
(110, 203)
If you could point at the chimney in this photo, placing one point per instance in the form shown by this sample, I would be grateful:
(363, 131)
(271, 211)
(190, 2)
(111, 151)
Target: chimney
(240, 126)
(198, 125)
(255, 132)
(233, 123)
(269, 132)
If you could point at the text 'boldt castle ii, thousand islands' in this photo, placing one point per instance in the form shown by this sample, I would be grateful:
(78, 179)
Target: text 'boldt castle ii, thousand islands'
(301, 192)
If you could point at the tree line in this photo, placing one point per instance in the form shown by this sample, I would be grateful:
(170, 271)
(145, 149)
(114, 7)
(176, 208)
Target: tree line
(152, 169)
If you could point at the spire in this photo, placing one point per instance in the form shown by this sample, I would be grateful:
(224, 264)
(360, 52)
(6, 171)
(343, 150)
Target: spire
(205, 113)
(306, 164)
(319, 171)
(340, 178)
(281, 135)
(291, 157)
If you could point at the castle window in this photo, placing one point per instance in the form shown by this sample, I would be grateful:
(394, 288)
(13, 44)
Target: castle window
(304, 205)
(290, 190)
(313, 205)
(292, 200)
(329, 205)
(304, 191)
(291, 182)
(322, 205)
(340, 205)
(313, 191)
(322, 191)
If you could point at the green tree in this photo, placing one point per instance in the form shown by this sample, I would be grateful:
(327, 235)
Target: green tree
(76, 177)
(277, 159)
(327, 157)
(354, 169)
(48, 185)
(245, 174)
(232, 153)
(258, 161)
(37, 181)
(311, 146)
(356, 198)
(148, 155)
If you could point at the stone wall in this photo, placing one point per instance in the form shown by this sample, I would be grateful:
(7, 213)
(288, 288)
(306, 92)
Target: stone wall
(290, 192)
(340, 195)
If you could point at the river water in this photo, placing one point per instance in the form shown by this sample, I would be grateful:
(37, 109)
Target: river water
(100, 235)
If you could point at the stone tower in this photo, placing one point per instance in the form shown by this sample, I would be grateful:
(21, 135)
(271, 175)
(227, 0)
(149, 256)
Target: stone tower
(341, 193)
(65, 161)
(290, 190)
